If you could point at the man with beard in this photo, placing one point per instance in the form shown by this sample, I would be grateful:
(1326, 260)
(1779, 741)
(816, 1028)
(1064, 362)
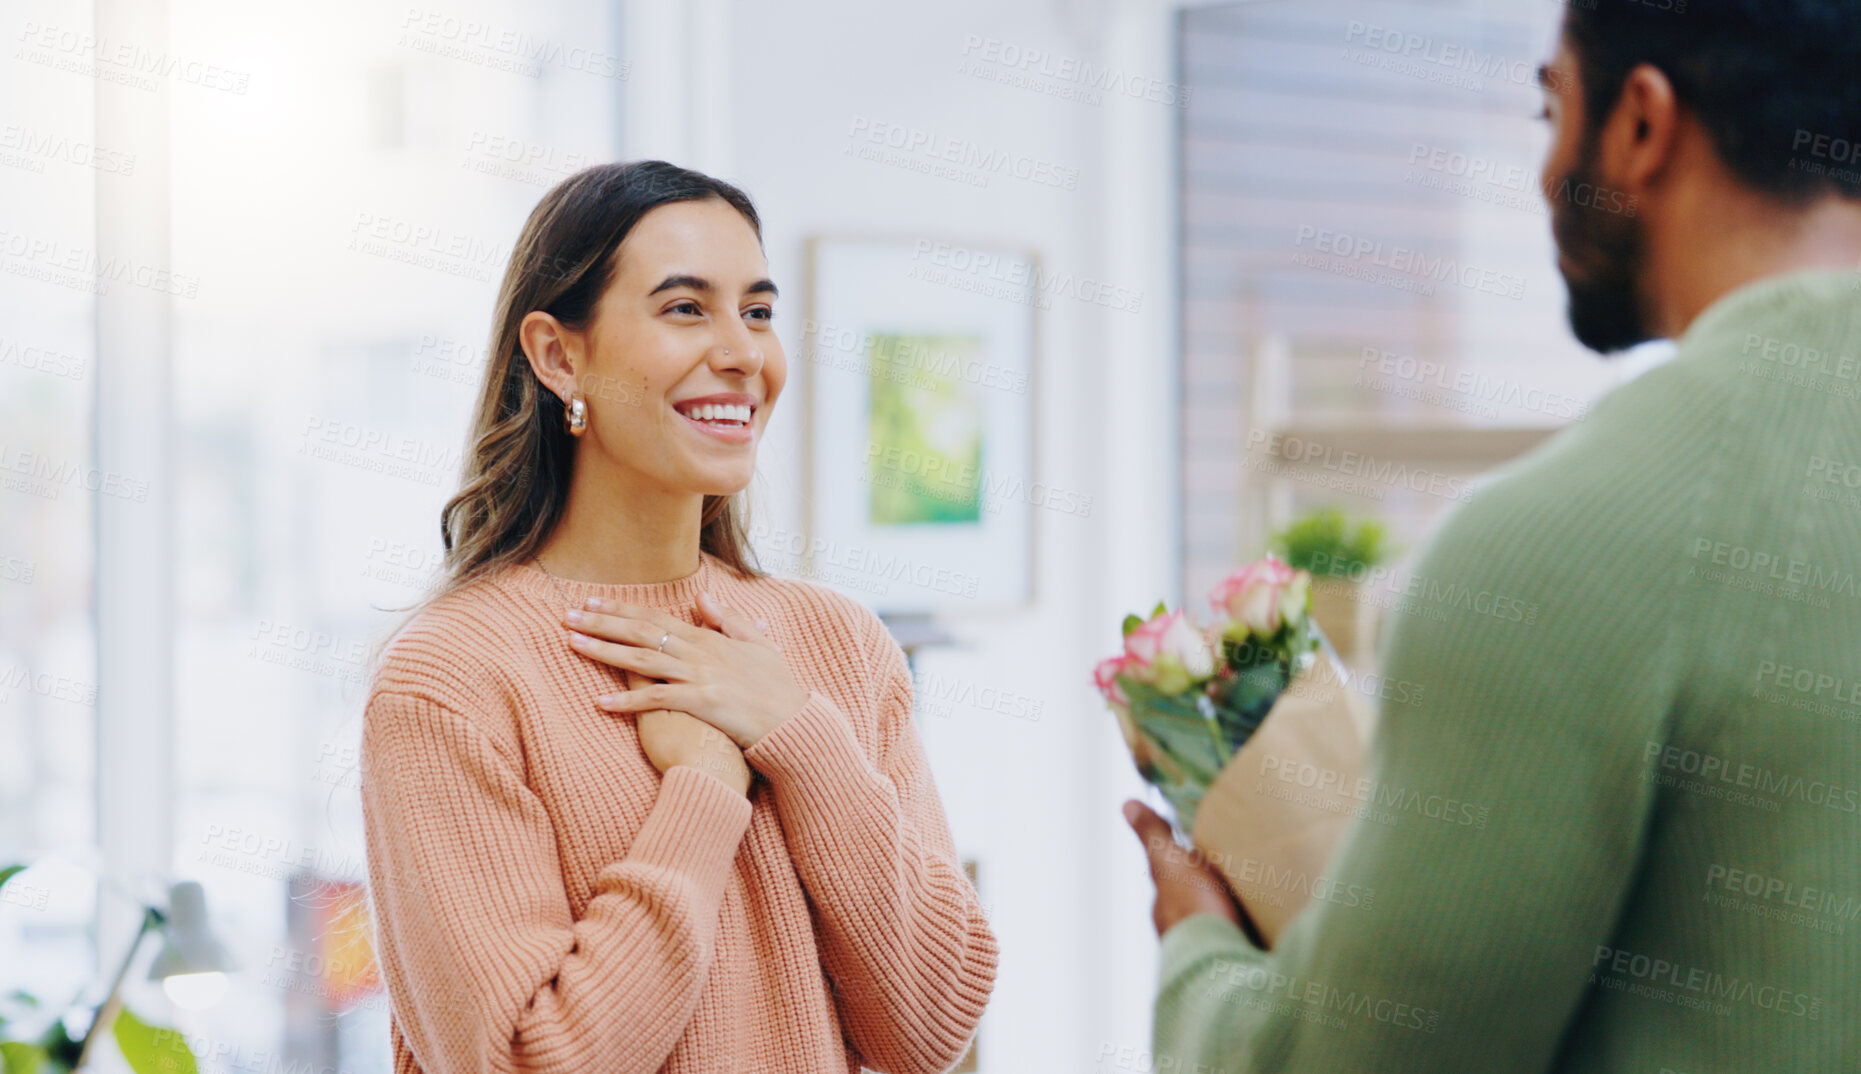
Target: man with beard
(1667, 756)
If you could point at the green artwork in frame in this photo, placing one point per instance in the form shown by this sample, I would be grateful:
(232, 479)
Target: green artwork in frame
(922, 482)
(930, 421)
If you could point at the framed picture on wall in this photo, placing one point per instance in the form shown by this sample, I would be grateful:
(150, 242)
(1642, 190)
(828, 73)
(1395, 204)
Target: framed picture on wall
(920, 450)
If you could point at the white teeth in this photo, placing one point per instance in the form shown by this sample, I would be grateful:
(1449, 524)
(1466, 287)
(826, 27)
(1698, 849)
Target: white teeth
(715, 412)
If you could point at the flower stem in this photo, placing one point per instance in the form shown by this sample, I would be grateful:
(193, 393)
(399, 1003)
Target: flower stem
(1205, 706)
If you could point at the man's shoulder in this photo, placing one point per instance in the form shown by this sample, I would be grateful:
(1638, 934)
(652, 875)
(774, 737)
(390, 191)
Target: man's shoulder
(1638, 460)
(1600, 507)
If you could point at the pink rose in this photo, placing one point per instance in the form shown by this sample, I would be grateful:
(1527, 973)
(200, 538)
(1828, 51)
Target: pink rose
(1105, 677)
(1168, 652)
(1262, 596)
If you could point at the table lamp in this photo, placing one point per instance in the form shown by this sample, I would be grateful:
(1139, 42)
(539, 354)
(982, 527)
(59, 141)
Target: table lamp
(191, 964)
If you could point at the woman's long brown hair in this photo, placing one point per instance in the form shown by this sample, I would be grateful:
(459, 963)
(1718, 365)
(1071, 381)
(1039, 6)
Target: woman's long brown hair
(514, 480)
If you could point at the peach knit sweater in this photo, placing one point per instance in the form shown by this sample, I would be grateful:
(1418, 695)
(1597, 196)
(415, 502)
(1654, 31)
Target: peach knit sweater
(546, 901)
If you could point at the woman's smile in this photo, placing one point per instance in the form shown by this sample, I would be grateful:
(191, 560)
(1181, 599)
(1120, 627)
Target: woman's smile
(725, 416)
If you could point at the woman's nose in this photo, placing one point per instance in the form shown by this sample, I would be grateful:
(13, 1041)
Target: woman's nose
(741, 354)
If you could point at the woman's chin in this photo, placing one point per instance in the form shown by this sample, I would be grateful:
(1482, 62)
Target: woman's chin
(715, 484)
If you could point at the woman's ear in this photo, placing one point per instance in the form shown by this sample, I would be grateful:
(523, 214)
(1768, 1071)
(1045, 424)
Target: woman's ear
(554, 352)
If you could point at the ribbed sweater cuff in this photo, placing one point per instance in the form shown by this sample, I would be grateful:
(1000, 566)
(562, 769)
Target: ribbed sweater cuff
(695, 828)
(808, 748)
(1202, 936)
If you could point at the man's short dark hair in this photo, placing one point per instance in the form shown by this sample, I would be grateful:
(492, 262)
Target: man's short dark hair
(1772, 81)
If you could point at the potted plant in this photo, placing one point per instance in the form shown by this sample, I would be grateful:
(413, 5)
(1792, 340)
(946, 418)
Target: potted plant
(49, 1047)
(1338, 552)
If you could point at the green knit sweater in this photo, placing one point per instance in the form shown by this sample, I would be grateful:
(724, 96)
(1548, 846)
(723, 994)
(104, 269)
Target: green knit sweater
(1616, 824)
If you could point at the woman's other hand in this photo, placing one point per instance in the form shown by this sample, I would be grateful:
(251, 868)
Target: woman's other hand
(674, 738)
(732, 677)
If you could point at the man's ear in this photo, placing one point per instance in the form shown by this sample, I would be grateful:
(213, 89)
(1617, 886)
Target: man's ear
(554, 352)
(1642, 134)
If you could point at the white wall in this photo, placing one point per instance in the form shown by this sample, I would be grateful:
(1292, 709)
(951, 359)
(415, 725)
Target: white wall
(768, 97)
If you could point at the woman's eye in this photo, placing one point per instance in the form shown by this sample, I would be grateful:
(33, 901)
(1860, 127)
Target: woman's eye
(688, 308)
(761, 313)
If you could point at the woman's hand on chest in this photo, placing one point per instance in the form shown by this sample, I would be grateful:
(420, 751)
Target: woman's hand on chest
(729, 674)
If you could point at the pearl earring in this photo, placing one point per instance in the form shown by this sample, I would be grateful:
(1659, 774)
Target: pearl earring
(578, 416)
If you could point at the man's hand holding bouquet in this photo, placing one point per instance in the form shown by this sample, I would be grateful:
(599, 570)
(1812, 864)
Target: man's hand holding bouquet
(1247, 729)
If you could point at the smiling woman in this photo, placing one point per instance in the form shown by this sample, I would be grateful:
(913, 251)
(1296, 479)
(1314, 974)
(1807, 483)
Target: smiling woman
(611, 823)
(588, 323)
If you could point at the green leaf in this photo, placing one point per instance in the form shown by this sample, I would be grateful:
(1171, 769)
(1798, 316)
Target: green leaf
(1131, 623)
(19, 1057)
(152, 1050)
(1161, 608)
(1186, 747)
(61, 1050)
(9, 873)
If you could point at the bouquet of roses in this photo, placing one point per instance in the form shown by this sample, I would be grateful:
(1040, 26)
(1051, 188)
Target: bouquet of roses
(1188, 697)
(1252, 731)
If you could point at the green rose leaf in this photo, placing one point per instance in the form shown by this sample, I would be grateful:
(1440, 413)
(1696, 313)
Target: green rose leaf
(9, 873)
